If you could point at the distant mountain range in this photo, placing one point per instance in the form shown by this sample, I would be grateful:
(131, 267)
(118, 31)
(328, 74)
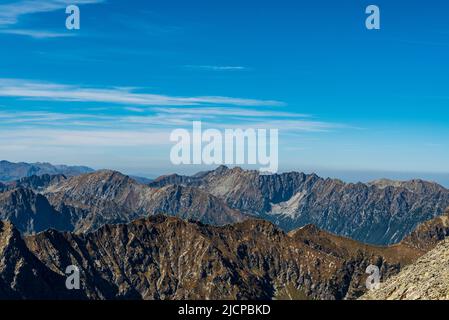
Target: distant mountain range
(10, 171)
(381, 212)
(86, 202)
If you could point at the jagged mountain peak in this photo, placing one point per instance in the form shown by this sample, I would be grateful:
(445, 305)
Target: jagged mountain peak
(102, 183)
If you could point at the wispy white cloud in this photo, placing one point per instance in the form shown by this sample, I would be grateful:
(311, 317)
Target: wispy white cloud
(59, 92)
(217, 111)
(71, 138)
(161, 120)
(217, 68)
(36, 34)
(10, 13)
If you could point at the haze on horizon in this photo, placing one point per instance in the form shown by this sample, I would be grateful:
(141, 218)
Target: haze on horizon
(350, 103)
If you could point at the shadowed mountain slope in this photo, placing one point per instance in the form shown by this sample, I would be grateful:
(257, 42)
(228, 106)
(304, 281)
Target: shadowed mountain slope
(23, 276)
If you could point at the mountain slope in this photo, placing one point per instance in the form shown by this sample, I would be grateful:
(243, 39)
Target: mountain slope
(428, 234)
(22, 275)
(167, 258)
(36, 183)
(31, 212)
(191, 204)
(426, 279)
(108, 197)
(377, 213)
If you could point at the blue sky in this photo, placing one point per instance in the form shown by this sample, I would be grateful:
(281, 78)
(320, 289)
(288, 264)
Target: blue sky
(349, 102)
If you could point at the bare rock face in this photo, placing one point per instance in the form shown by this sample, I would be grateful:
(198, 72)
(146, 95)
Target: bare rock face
(101, 197)
(426, 279)
(167, 258)
(37, 183)
(31, 212)
(382, 212)
(191, 203)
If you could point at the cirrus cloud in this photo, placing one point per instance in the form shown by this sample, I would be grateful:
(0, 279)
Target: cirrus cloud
(44, 91)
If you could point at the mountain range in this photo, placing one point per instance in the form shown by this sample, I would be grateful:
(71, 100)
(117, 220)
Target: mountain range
(86, 202)
(221, 234)
(169, 258)
(381, 212)
(10, 171)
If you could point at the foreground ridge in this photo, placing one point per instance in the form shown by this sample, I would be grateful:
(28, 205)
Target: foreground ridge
(164, 257)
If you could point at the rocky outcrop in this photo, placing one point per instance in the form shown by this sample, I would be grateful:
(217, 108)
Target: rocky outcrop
(426, 279)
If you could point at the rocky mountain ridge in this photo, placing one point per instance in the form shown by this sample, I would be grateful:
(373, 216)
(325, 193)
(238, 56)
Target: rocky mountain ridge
(381, 214)
(86, 202)
(378, 213)
(164, 257)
